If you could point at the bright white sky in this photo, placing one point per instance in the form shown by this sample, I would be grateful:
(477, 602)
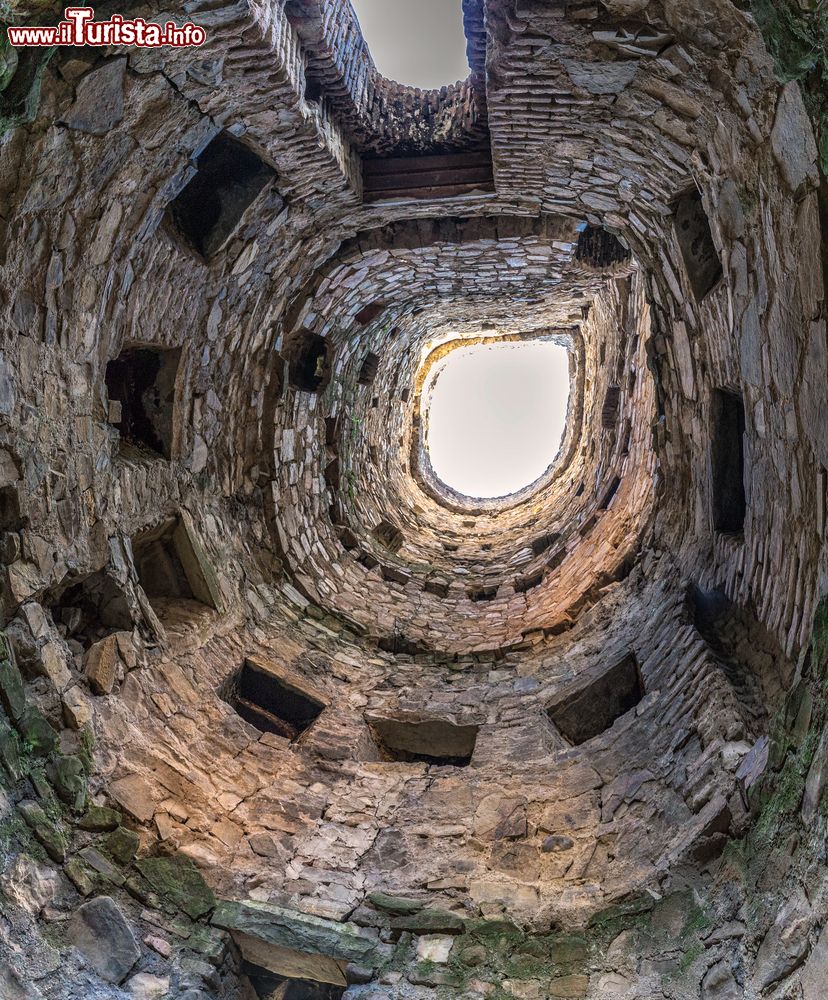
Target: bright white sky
(417, 42)
(497, 416)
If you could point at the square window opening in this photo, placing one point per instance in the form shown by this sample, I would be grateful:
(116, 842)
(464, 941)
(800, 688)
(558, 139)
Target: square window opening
(271, 701)
(368, 371)
(695, 240)
(172, 568)
(728, 462)
(307, 359)
(89, 609)
(141, 386)
(229, 177)
(593, 708)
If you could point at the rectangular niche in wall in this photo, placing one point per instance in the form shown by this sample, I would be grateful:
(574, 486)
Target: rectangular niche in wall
(271, 700)
(172, 567)
(307, 359)
(609, 411)
(11, 515)
(229, 177)
(141, 385)
(695, 240)
(90, 608)
(428, 741)
(368, 371)
(389, 535)
(580, 715)
(269, 986)
(728, 462)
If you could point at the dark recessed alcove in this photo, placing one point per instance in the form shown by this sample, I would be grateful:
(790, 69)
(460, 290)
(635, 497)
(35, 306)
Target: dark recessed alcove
(269, 700)
(314, 88)
(695, 240)
(229, 176)
(478, 594)
(609, 411)
(525, 583)
(368, 371)
(728, 462)
(389, 535)
(11, 516)
(401, 644)
(170, 566)
(594, 707)
(609, 493)
(428, 741)
(141, 383)
(90, 608)
(307, 360)
(544, 542)
(367, 314)
(271, 986)
(599, 248)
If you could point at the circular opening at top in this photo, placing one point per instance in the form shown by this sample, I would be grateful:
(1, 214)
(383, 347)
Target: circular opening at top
(496, 416)
(419, 44)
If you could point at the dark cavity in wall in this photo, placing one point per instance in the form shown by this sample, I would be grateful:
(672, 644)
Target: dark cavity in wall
(748, 653)
(169, 567)
(591, 709)
(544, 542)
(728, 462)
(269, 986)
(369, 313)
(523, 584)
(695, 240)
(229, 177)
(89, 609)
(11, 515)
(599, 248)
(141, 385)
(270, 701)
(368, 371)
(608, 496)
(307, 360)
(478, 594)
(429, 741)
(609, 411)
(389, 535)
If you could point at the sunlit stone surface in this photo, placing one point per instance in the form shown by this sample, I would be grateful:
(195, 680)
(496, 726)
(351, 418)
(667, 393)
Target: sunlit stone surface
(284, 715)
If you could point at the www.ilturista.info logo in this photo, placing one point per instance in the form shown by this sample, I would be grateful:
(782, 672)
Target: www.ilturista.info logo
(80, 28)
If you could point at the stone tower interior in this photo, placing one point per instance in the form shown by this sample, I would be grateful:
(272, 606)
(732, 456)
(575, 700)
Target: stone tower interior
(284, 716)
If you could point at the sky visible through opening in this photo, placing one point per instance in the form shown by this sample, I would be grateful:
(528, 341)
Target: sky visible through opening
(497, 416)
(416, 42)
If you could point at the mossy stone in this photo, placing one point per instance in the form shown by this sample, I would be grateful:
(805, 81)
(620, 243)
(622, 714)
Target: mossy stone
(209, 943)
(37, 733)
(12, 692)
(68, 778)
(394, 904)
(81, 876)
(9, 752)
(429, 922)
(177, 881)
(49, 833)
(99, 819)
(122, 845)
